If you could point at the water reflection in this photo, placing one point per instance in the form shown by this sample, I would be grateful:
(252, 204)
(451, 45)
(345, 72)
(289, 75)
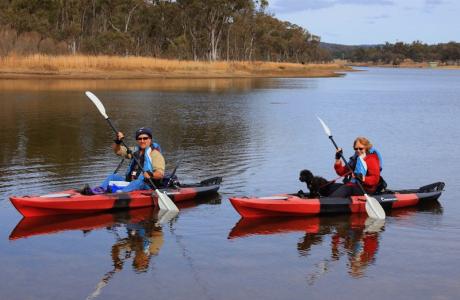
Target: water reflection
(142, 241)
(138, 234)
(37, 226)
(158, 84)
(61, 136)
(257, 140)
(136, 241)
(355, 238)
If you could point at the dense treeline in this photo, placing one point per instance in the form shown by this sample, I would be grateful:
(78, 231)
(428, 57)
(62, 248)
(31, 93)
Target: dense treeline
(447, 53)
(182, 29)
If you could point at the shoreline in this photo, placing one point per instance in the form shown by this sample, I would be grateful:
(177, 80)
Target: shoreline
(115, 67)
(6, 75)
(424, 65)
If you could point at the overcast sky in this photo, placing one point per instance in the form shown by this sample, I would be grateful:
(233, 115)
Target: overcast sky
(354, 22)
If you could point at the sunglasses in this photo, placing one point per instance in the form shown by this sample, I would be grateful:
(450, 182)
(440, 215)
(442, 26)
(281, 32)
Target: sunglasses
(361, 149)
(143, 138)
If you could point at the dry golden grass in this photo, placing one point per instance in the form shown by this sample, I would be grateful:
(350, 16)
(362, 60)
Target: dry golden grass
(82, 66)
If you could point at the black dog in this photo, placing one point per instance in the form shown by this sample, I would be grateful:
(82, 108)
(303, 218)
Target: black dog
(317, 185)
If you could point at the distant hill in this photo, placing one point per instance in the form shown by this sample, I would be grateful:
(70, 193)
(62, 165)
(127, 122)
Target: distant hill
(395, 54)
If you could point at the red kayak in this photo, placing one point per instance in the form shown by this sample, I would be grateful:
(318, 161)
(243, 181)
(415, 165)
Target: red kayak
(29, 227)
(301, 205)
(73, 202)
(247, 227)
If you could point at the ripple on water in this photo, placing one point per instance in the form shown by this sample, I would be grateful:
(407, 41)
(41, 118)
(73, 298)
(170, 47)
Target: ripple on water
(54, 140)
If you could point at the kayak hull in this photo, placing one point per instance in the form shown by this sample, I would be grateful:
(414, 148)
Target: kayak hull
(28, 227)
(73, 202)
(294, 205)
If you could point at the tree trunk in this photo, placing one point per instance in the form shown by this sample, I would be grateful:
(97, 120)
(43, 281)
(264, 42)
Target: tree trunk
(73, 46)
(228, 42)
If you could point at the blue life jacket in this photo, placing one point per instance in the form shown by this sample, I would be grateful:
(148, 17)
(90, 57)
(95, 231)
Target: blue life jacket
(373, 150)
(359, 165)
(144, 161)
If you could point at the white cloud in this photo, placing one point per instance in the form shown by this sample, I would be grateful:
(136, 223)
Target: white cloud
(434, 2)
(374, 21)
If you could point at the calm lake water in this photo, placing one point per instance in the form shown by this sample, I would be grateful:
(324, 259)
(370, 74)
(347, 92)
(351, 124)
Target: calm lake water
(258, 134)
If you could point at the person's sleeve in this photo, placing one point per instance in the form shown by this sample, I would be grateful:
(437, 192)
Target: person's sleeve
(123, 152)
(340, 169)
(158, 162)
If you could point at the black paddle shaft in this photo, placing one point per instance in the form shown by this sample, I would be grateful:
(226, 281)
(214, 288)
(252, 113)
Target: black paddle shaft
(111, 125)
(346, 163)
(119, 166)
(134, 157)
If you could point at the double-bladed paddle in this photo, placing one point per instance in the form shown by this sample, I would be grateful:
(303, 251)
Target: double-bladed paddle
(164, 202)
(373, 207)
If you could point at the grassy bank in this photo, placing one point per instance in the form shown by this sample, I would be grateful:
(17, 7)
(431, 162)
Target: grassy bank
(116, 67)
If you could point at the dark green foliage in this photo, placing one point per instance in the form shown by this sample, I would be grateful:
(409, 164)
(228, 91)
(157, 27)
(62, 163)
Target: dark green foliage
(182, 29)
(398, 52)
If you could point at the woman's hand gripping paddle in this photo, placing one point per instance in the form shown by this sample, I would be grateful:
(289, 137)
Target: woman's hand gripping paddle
(373, 207)
(164, 202)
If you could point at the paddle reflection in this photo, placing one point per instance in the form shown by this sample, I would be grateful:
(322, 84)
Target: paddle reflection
(355, 238)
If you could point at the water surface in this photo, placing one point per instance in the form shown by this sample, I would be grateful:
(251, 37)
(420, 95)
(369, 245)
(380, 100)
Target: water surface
(258, 134)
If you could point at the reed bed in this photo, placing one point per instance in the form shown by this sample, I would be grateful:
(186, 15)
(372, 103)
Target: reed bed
(148, 66)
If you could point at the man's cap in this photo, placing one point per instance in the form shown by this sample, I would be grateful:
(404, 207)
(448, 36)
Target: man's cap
(144, 130)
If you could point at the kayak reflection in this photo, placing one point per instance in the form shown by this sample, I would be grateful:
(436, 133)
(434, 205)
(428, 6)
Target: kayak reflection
(35, 226)
(138, 233)
(354, 237)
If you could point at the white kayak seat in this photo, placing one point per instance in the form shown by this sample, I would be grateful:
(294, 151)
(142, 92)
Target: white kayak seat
(58, 195)
(274, 198)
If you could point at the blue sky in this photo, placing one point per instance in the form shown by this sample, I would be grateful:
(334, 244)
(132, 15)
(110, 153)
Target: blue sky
(354, 22)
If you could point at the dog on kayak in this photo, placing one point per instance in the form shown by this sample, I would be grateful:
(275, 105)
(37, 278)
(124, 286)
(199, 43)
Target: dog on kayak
(317, 185)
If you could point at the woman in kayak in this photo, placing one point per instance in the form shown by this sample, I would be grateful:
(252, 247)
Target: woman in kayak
(366, 164)
(147, 153)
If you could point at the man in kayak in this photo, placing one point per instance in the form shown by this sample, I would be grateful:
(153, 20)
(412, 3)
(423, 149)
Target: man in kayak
(147, 153)
(366, 164)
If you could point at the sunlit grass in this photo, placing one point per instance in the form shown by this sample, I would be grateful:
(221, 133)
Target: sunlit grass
(146, 65)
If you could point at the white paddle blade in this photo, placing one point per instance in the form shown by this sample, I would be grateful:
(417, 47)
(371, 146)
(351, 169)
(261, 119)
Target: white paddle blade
(161, 204)
(98, 103)
(164, 202)
(374, 209)
(373, 225)
(326, 129)
(165, 216)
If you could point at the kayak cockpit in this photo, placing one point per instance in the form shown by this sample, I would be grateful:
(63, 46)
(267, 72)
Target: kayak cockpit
(429, 188)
